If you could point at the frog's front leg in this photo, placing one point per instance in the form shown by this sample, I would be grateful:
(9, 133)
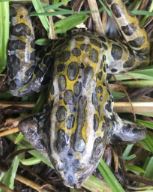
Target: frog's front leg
(35, 129)
(124, 57)
(125, 131)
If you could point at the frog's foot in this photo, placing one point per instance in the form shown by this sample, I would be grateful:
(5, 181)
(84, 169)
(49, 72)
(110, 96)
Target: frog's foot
(126, 132)
(34, 129)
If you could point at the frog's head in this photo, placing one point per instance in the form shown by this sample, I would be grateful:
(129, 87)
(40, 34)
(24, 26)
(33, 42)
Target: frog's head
(75, 160)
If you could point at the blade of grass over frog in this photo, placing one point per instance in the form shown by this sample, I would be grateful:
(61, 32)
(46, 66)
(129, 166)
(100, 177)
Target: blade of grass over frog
(61, 12)
(105, 8)
(142, 12)
(55, 6)
(137, 74)
(70, 22)
(147, 124)
(4, 33)
(135, 169)
(138, 83)
(9, 176)
(149, 169)
(147, 143)
(39, 8)
(94, 184)
(127, 151)
(42, 42)
(30, 161)
(109, 177)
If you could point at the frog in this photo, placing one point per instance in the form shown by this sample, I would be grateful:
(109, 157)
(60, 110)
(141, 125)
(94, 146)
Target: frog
(79, 121)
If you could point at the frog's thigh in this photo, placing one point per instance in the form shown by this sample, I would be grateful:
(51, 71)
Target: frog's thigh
(125, 131)
(34, 129)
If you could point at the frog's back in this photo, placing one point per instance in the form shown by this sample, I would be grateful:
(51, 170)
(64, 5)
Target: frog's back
(80, 106)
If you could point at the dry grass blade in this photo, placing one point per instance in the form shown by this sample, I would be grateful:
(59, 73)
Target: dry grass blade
(29, 183)
(137, 107)
(5, 188)
(96, 16)
(8, 131)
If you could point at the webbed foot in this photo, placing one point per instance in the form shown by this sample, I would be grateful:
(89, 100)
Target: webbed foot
(124, 131)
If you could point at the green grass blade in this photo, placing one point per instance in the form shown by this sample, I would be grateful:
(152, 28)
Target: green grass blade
(4, 33)
(9, 176)
(109, 177)
(149, 169)
(94, 184)
(39, 8)
(68, 23)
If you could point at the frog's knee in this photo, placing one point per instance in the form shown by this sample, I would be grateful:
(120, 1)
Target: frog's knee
(128, 133)
(32, 128)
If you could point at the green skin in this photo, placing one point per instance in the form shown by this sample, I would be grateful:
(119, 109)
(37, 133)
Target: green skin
(74, 131)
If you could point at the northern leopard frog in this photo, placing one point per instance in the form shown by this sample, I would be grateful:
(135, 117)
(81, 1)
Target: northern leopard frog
(81, 121)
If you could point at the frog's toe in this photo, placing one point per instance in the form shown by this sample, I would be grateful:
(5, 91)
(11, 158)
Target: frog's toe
(128, 133)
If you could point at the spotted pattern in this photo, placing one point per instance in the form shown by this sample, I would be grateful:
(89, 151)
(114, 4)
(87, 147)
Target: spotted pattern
(81, 115)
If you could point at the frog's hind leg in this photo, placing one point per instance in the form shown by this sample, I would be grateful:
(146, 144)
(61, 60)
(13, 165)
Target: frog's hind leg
(25, 74)
(137, 49)
(125, 131)
(35, 129)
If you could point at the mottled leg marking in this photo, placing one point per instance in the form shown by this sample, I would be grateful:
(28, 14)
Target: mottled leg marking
(126, 132)
(135, 36)
(35, 129)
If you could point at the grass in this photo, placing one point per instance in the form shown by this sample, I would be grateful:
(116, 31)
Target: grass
(130, 162)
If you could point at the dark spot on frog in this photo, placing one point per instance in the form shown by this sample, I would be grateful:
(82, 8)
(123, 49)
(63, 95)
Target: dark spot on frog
(68, 97)
(76, 52)
(72, 70)
(97, 149)
(20, 30)
(104, 46)
(96, 122)
(103, 39)
(30, 71)
(108, 106)
(129, 29)
(13, 65)
(129, 62)
(38, 72)
(85, 47)
(64, 56)
(79, 144)
(77, 88)
(70, 121)
(99, 75)
(95, 42)
(113, 70)
(95, 99)
(88, 74)
(61, 113)
(99, 90)
(116, 52)
(60, 67)
(62, 141)
(138, 42)
(116, 10)
(93, 55)
(61, 82)
(16, 44)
